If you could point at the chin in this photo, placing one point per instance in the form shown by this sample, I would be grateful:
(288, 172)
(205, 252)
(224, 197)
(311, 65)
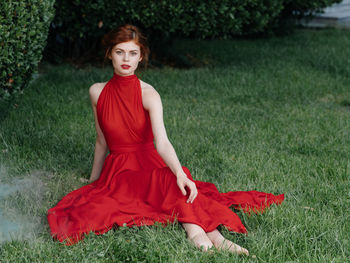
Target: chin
(126, 71)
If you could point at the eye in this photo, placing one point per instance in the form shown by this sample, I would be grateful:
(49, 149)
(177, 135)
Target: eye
(133, 53)
(118, 52)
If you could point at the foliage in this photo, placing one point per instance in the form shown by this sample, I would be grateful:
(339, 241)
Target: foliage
(24, 28)
(295, 10)
(78, 25)
(300, 8)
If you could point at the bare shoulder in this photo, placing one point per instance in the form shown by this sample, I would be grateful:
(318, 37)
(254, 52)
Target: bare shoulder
(150, 96)
(148, 89)
(95, 91)
(145, 86)
(96, 88)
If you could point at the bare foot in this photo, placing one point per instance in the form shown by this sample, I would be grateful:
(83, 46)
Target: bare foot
(232, 247)
(201, 241)
(222, 243)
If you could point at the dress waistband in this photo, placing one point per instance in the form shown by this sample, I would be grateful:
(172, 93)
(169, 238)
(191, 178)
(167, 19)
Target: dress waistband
(127, 148)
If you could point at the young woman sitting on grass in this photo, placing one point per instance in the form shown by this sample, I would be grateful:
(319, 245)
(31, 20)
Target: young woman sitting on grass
(138, 183)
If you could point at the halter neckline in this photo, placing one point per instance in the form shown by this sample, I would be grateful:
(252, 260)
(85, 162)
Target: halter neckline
(124, 78)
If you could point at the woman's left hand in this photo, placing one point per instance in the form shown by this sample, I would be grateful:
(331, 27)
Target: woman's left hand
(182, 182)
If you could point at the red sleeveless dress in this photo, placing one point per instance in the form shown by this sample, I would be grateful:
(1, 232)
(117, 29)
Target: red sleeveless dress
(135, 186)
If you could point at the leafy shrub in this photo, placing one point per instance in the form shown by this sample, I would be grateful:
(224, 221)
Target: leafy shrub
(24, 28)
(301, 8)
(294, 10)
(79, 24)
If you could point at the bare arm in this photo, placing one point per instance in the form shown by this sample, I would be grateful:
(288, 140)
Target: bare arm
(101, 145)
(152, 102)
(165, 149)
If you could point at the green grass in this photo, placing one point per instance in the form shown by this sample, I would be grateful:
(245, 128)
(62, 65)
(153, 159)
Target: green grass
(267, 114)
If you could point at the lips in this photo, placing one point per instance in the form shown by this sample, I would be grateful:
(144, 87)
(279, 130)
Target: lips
(124, 66)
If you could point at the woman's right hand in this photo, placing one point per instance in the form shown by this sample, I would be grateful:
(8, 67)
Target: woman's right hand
(182, 182)
(84, 180)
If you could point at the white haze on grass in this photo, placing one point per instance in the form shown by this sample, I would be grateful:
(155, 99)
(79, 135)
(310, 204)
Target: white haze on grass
(20, 199)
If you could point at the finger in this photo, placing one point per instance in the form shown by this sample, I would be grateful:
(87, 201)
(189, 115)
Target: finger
(195, 196)
(195, 193)
(192, 194)
(182, 188)
(189, 196)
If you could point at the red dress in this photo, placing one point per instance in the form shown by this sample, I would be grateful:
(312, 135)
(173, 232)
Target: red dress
(135, 186)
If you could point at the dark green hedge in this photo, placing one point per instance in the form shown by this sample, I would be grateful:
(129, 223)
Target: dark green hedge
(24, 28)
(79, 25)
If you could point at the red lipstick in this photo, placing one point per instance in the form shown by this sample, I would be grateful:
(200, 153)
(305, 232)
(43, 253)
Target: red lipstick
(124, 66)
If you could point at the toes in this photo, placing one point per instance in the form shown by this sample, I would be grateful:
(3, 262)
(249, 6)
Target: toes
(245, 251)
(202, 242)
(232, 247)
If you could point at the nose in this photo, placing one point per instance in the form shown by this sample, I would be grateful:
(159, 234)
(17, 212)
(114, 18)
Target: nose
(126, 56)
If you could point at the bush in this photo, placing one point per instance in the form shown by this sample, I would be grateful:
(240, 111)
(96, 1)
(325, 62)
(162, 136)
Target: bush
(300, 8)
(294, 10)
(24, 28)
(79, 25)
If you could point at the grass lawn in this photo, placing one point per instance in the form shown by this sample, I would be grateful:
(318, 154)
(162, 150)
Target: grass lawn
(269, 114)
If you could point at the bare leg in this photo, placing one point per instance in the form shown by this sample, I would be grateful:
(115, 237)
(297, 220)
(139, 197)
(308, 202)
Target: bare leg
(197, 236)
(224, 244)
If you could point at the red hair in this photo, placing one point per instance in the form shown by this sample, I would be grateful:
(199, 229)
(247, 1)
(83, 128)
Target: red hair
(126, 33)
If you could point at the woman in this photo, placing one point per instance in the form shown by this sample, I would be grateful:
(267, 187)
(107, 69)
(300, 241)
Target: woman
(137, 183)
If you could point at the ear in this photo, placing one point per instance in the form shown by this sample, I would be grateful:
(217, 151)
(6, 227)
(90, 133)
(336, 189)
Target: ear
(140, 59)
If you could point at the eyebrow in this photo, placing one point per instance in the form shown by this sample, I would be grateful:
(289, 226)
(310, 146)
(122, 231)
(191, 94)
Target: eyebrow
(124, 50)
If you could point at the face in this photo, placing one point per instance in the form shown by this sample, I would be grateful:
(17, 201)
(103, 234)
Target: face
(125, 58)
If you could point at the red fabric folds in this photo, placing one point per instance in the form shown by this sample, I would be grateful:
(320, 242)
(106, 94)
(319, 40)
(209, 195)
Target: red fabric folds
(135, 187)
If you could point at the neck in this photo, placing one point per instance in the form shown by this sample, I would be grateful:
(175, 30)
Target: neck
(129, 74)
